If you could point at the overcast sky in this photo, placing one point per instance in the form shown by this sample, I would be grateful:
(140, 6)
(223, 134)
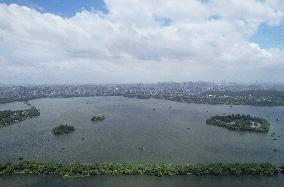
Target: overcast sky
(121, 41)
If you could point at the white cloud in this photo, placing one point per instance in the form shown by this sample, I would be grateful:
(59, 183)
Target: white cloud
(204, 41)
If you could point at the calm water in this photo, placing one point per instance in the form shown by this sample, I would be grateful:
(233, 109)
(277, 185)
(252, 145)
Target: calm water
(142, 181)
(173, 133)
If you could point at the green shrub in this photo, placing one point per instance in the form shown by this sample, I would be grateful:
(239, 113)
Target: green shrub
(62, 129)
(80, 170)
(97, 118)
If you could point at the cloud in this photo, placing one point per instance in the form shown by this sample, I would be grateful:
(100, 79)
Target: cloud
(129, 43)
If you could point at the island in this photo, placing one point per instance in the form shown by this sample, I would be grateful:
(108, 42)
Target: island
(9, 117)
(62, 129)
(240, 122)
(98, 118)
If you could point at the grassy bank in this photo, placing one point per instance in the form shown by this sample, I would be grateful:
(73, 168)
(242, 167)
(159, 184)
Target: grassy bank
(282, 168)
(81, 170)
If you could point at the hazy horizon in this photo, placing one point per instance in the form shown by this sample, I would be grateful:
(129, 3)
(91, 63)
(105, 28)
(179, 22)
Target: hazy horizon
(145, 83)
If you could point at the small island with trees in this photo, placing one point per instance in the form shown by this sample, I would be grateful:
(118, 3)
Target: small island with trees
(240, 122)
(9, 117)
(63, 129)
(98, 118)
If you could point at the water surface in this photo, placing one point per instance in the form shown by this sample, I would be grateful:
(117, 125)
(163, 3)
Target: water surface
(142, 181)
(172, 133)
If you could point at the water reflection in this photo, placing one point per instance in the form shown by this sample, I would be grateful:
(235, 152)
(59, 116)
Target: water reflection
(137, 181)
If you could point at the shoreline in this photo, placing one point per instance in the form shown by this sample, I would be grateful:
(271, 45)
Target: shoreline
(78, 170)
(135, 97)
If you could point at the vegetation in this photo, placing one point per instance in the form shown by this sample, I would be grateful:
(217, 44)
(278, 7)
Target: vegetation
(251, 97)
(98, 118)
(80, 170)
(62, 129)
(9, 117)
(282, 168)
(23, 98)
(240, 123)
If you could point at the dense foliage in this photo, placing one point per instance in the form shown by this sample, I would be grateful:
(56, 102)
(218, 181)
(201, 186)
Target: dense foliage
(80, 170)
(63, 129)
(9, 117)
(98, 118)
(240, 123)
(282, 168)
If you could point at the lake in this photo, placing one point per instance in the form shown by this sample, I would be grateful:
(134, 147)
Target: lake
(143, 181)
(171, 133)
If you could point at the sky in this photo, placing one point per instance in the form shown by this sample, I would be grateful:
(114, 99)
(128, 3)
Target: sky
(126, 41)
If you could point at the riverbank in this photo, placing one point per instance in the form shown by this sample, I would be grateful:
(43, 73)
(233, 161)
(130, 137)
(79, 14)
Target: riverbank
(84, 170)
